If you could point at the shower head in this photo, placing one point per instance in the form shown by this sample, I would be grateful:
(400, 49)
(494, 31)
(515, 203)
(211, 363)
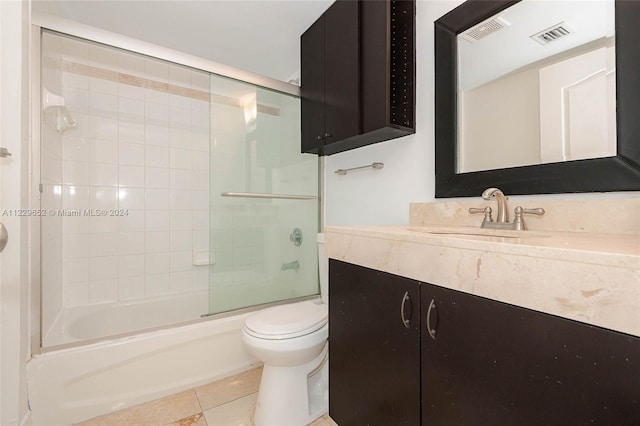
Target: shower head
(56, 106)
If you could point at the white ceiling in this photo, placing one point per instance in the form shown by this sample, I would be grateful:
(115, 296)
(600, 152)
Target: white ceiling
(262, 36)
(511, 48)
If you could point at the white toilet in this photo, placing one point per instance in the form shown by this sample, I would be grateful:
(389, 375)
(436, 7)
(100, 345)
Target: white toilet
(291, 341)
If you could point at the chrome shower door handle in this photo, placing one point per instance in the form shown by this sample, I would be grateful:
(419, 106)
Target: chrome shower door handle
(403, 316)
(4, 237)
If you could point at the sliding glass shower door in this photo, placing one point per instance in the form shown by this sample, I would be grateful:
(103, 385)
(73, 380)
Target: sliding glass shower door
(264, 199)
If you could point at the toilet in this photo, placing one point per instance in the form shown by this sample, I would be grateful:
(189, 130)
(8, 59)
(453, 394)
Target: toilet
(291, 341)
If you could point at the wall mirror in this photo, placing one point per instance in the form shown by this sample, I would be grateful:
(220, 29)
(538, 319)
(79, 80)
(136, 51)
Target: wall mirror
(537, 97)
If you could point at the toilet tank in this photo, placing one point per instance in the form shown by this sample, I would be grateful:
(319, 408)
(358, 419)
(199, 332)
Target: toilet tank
(323, 270)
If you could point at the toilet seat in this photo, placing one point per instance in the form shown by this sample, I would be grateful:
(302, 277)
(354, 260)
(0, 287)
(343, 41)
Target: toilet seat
(287, 321)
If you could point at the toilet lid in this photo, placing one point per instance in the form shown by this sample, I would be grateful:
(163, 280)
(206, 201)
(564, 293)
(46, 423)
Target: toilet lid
(287, 321)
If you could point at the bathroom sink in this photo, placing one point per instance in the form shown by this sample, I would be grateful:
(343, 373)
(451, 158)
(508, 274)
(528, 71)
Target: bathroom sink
(475, 232)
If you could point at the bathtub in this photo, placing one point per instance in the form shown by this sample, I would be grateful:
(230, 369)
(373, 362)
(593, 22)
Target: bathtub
(109, 319)
(77, 383)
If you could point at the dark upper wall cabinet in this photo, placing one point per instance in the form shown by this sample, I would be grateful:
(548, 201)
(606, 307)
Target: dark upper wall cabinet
(358, 75)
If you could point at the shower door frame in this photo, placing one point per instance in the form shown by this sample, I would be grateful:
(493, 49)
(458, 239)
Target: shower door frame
(40, 23)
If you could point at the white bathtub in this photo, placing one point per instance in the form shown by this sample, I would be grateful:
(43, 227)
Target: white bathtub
(74, 384)
(108, 319)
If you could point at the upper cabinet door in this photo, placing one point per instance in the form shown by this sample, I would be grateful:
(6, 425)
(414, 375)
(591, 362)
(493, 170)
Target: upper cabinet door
(341, 80)
(312, 76)
(367, 80)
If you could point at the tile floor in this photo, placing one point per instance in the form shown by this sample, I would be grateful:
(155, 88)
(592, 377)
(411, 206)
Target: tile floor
(227, 402)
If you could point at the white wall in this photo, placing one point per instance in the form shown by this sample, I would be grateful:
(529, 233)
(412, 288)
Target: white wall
(383, 196)
(14, 282)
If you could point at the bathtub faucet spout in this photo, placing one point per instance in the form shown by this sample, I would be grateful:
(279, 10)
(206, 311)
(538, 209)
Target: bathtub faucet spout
(295, 265)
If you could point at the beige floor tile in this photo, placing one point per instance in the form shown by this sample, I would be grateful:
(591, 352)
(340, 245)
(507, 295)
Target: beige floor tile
(195, 420)
(329, 420)
(159, 412)
(229, 389)
(319, 422)
(234, 413)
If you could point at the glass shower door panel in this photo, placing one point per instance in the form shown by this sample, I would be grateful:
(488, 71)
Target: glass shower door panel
(262, 249)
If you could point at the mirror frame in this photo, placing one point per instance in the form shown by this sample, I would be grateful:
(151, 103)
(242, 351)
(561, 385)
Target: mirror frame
(619, 173)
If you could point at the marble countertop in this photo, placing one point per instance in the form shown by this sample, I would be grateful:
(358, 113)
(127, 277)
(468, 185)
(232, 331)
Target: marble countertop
(589, 277)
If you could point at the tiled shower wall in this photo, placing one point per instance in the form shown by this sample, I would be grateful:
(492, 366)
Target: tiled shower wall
(141, 146)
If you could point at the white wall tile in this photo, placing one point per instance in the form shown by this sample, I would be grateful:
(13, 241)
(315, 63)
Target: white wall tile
(179, 118)
(75, 173)
(130, 243)
(75, 50)
(131, 288)
(200, 81)
(131, 64)
(181, 261)
(131, 266)
(131, 132)
(181, 179)
(100, 85)
(76, 100)
(180, 281)
(156, 70)
(76, 149)
(76, 197)
(156, 156)
(131, 154)
(76, 294)
(179, 75)
(157, 242)
(104, 151)
(103, 174)
(200, 278)
(75, 224)
(157, 220)
(131, 198)
(201, 180)
(180, 199)
(103, 268)
(75, 270)
(181, 220)
(201, 220)
(201, 240)
(181, 240)
(103, 128)
(103, 57)
(103, 223)
(129, 91)
(180, 138)
(179, 100)
(103, 244)
(156, 114)
(75, 246)
(131, 176)
(156, 177)
(76, 81)
(133, 222)
(157, 199)
(200, 200)
(103, 105)
(153, 95)
(156, 135)
(103, 291)
(200, 161)
(200, 141)
(156, 285)
(103, 198)
(181, 159)
(130, 109)
(157, 263)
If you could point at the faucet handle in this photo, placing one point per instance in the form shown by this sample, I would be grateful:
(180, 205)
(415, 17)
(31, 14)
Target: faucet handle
(487, 213)
(519, 211)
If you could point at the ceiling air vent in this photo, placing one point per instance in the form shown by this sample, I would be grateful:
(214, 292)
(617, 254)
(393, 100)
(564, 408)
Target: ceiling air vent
(553, 33)
(485, 28)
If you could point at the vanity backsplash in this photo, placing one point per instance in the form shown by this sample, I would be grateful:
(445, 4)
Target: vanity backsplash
(594, 215)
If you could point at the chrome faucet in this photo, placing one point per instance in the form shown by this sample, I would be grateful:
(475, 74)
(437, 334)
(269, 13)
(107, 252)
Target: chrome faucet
(503, 213)
(502, 220)
(295, 265)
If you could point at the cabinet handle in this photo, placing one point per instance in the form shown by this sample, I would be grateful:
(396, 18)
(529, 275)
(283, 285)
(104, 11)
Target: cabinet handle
(406, 322)
(320, 138)
(431, 329)
(328, 135)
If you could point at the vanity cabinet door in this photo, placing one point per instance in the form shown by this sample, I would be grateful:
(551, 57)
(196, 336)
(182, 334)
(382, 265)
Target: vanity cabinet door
(374, 359)
(496, 364)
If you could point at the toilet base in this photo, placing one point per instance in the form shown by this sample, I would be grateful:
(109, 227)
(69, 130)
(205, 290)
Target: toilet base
(293, 396)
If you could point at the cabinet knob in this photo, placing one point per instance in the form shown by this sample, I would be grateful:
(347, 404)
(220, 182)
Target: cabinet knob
(328, 135)
(320, 138)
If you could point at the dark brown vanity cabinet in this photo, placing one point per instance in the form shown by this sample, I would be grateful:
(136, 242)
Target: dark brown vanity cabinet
(480, 361)
(374, 347)
(358, 75)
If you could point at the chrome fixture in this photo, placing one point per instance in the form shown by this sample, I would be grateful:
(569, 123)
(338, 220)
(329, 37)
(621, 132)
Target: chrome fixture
(4, 237)
(296, 237)
(372, 165)
(503, 214)
(295, 265)
(502, 220)
(261, 195)
(4, 153)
